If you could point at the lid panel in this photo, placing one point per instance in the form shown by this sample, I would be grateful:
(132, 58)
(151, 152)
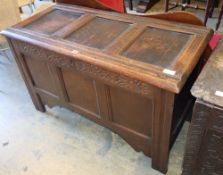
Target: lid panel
(98, 33)
(157, 52)
(52, 22)
(157, 47)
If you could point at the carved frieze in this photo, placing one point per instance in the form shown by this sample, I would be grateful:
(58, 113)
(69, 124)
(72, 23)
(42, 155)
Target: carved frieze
(112, 78)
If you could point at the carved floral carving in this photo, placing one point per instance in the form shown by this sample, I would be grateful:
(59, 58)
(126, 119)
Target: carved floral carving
(91, 70)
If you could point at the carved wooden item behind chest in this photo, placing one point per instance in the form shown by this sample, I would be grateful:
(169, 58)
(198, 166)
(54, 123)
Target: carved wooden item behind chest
(126, 73)
(204, 149)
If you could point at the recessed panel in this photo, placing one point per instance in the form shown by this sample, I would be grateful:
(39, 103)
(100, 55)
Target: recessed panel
(41, 75)
(53, 21)
(132, 111)
(80, 90)
(158, 47)
(98, 33)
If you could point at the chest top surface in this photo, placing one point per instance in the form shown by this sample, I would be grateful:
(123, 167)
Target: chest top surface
(209, 85)
(158, 52)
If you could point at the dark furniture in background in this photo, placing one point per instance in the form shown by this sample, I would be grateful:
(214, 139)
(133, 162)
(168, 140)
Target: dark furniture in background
(144, 5)
(204, 148)
(130, 74)
(186, 4)
(220, 14)
(130, 4)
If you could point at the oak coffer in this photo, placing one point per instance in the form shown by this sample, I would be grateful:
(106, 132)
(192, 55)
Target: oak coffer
(130, 74)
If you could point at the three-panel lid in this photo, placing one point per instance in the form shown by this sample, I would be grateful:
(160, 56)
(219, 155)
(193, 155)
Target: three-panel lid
(154, 51)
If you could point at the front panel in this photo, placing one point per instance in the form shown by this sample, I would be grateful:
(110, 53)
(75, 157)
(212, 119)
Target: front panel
(132, 111)
(81, 91)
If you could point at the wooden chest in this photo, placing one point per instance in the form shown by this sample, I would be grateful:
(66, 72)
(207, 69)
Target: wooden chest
(204, 148)
(124, 72)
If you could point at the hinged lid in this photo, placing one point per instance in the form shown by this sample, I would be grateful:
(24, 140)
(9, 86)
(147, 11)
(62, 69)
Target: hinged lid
(154, 51)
